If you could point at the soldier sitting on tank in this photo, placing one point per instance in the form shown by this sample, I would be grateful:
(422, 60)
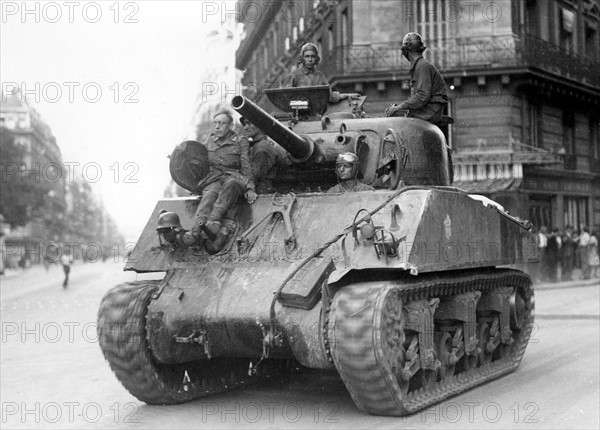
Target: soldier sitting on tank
(307, 75)
(346, 168)
(265, 155)
(428, 88)
(229, 178)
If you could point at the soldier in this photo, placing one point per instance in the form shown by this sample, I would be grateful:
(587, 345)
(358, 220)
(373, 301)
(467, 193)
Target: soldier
(346, 168)
(264, 157)
(428, 88)
(307, 74)
(229, 177)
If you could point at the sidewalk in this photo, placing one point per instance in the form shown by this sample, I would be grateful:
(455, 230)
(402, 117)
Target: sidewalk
(574, 283)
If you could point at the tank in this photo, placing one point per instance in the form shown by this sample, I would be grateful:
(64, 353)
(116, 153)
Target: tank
(408, 292)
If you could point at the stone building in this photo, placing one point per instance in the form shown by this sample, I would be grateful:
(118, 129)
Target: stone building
(522, 75)
(40, 169)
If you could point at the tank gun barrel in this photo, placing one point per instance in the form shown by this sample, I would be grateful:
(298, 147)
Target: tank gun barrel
(300, 149)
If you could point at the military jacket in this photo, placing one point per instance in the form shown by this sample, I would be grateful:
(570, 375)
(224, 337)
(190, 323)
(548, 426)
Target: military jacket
(427, 86)
(350, 186)
(228, 155)
(304, 77)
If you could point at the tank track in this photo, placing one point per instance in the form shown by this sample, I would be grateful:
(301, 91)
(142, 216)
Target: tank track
(122, 338)
(366, 322)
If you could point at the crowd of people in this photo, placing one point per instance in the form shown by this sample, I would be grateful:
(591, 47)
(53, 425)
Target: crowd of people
(566, 251)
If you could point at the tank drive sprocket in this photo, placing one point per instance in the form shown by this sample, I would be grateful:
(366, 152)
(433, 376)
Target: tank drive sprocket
(377, 355)
(122, 338)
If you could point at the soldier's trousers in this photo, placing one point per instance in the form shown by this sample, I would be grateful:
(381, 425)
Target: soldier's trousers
(217, 198)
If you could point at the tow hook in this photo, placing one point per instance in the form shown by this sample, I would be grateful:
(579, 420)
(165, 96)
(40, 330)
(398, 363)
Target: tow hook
(199, 337)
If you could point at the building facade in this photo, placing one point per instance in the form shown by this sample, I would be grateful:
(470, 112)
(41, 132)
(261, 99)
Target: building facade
(33, 180)
(522, 75)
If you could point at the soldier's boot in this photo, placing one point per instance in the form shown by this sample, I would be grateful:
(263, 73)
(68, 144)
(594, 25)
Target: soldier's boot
(196, 234)
(214, 219)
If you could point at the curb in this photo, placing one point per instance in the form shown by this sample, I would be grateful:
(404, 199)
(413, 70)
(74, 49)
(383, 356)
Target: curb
(594, 282)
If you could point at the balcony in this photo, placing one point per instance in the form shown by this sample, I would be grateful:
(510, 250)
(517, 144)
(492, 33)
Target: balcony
(464, 54)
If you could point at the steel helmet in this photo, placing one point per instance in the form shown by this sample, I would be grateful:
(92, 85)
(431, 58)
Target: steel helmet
(168, 220)
(413, 42)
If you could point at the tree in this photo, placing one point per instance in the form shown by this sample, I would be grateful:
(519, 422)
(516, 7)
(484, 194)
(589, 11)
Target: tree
(23, 192)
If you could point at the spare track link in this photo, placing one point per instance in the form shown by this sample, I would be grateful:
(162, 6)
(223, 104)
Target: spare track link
(122, 338)
(357, 340)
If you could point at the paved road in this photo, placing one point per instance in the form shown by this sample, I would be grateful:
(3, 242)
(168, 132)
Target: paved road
(54, 376)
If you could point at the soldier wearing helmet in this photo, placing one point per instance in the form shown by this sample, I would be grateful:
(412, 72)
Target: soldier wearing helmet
(346, 168)
(428, 89)
(307, 75)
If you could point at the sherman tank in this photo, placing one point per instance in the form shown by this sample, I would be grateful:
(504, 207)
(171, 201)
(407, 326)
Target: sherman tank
(408, 292)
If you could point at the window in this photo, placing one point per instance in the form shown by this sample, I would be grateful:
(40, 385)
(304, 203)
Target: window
(534, 115)
(433, 26)
(570, 158)
(301, 24)
(576, 211)
(594, 134)
(567, 29)
(591, 42)
(287, 44)
(540, 211)
(330, 38)
(532, 18)
(569, 132)
(274, 43)
(295, 33)
(344, 30)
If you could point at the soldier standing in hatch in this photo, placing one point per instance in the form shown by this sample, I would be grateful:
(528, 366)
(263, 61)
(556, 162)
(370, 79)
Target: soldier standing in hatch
(428, 88)
(229, 178)
(307, 75)
(346, 168)
(264, 157)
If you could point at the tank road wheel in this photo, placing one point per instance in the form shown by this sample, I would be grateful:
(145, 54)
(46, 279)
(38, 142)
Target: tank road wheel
(122, 338)
(443, 342)
(484, 336)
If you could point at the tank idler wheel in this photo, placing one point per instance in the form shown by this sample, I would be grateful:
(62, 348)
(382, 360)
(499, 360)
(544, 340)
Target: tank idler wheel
(518, 308)
(485, 338)
(443, 342)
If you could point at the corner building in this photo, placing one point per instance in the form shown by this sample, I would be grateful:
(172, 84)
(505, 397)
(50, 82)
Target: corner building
(523, 79)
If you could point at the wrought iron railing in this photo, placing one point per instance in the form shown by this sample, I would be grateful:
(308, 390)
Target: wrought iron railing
(448, 54)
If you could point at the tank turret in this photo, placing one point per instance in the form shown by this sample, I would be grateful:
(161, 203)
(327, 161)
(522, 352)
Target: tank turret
(391, 150)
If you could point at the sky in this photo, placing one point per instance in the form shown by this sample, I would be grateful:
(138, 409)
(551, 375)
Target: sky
(118, 96)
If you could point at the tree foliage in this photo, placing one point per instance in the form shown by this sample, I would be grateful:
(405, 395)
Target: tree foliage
(23, 192)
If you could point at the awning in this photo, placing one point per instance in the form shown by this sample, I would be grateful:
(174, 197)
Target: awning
(489, 186)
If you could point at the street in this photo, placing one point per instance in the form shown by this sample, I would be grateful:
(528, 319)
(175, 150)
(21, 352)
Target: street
(54, 375)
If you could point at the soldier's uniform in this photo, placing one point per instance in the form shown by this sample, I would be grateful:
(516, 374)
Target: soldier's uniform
(428, 92)
(264, 157)
(304, 77)
(350, 186)
(230, 176)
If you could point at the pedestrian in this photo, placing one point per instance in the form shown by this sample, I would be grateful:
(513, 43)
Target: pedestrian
(65, 261)
(584, 242)
(429, 95)
(542, 243)
(567, 253)
(593, 255)
(553, 245)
